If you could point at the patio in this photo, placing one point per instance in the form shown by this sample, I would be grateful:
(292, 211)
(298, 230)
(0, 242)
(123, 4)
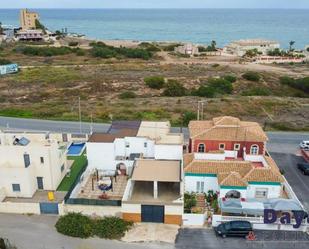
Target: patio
(92, 191)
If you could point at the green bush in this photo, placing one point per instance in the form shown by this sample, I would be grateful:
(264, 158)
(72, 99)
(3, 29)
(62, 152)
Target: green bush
(73, 43)
(231, 78)
(205, 91)
(257, 91)
(252, 76)
(111, 227)
(149, 47)
(155, 82)
(5, 61)
(286, 80)
(75, 225)
(81, 226)
(187, 117)
(189, 202)
(173, 88)
(44, 51)
(221, 86)
(171, 47)
(127, 95)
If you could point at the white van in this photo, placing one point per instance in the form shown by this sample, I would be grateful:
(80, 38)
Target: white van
(304, 145)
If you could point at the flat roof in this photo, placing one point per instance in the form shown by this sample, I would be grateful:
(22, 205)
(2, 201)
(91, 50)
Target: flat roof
(110, 137)
(156, 170)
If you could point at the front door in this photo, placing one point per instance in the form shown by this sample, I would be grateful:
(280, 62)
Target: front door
(40, 182)
(152, 213)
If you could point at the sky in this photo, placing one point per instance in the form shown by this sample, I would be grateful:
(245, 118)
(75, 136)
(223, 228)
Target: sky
(295, 4)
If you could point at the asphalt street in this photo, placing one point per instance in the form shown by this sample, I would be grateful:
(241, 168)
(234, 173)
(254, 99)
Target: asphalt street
(298, 181)
(38, 232)
(206, 239)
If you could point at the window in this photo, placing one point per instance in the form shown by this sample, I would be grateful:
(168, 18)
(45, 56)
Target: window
(26, 160)
(145, 145)
(261, 193)
(254, 150)
(42, 160)
(201, 148)
(199, 187)
(62, 168)
(236, 146)
(221, 146)
(16, 187)
(127, 145)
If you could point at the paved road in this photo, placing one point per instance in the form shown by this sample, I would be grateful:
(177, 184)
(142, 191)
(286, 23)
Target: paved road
(284, 142)
(38, 232)
(298, 181)
(206, 239)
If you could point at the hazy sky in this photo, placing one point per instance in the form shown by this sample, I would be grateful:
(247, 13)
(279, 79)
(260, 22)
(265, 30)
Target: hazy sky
(154, 4)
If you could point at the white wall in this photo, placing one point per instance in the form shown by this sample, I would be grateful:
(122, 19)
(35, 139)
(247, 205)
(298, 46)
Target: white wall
(194, 219)
(210, 183)
(101, 156)
(20, 208)
(168, 152)
(274, 191)
(131, 208)
(209, 156)
(90, 210)
(173, 209)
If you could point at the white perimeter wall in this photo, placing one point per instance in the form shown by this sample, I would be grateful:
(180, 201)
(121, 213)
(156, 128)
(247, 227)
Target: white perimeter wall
(168, 152)
(273, 190)
(20, 208)
(101, 156)
(193, 219)
(90, 210)
(210, 183)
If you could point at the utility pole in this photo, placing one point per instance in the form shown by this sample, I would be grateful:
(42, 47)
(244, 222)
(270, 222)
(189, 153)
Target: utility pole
(200, 110)
(91, 128)
(80, 116)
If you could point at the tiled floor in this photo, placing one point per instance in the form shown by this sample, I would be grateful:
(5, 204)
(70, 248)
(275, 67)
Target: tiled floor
(119, 186)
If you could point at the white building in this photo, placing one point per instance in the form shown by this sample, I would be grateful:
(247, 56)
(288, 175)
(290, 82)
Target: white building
(240, 47)
(125, 141)
(30, 35)
(30, 162)
(187, 49)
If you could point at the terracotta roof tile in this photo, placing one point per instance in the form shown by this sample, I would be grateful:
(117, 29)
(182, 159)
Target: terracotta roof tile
(227, 129)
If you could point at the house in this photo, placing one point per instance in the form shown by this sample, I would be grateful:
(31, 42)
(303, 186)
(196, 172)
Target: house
(30, 35)
(28, 19)
(229, 156)
(127, 140)
(239, 48)
(30, 162)
(153, 192)
(187, 49)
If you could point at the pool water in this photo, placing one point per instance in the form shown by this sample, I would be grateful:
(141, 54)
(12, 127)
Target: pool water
(76, 149)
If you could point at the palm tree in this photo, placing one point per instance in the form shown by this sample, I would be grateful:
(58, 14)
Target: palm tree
(291, 43)
(213, 44)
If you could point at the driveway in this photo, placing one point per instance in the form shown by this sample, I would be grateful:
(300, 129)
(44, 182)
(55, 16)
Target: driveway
(298, 181)
(38, 232)
(206, 239)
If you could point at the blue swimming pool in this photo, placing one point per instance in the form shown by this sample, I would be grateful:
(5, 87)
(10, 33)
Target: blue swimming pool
(76, 149)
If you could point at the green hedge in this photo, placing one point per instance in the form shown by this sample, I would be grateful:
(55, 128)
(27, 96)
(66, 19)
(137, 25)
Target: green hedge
(173, 88)
(155, 82)
(81, 226)
(252, 76)
(127, 95)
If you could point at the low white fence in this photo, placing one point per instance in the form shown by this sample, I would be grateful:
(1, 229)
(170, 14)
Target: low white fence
(20, 208)
(291, 194)
(194, 219)
(258, 223)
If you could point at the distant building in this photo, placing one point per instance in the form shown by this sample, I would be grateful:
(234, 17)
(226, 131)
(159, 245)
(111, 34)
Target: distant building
(187, 49)
(240, 47)
(28, 19)
(30, 162)
(30, 35)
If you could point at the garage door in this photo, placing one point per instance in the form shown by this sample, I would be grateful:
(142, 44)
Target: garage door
(49, 208)
(151, 213)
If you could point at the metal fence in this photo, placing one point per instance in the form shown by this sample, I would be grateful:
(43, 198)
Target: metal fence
(93, 202)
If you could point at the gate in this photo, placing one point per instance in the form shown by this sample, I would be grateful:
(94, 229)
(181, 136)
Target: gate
(49, 208)
(152, 213)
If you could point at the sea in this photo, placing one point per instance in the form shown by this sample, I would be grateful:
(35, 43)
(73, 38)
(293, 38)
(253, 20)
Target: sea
(186, 25)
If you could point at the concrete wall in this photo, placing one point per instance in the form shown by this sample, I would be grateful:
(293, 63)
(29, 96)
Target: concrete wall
(194, 219)
(210, 183)
(101, 156)
(20, 208)
(90, 210)
(168, 152)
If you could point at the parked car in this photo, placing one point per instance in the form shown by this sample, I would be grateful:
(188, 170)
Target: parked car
(304, 145)
(303, 167)
(234, 228)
